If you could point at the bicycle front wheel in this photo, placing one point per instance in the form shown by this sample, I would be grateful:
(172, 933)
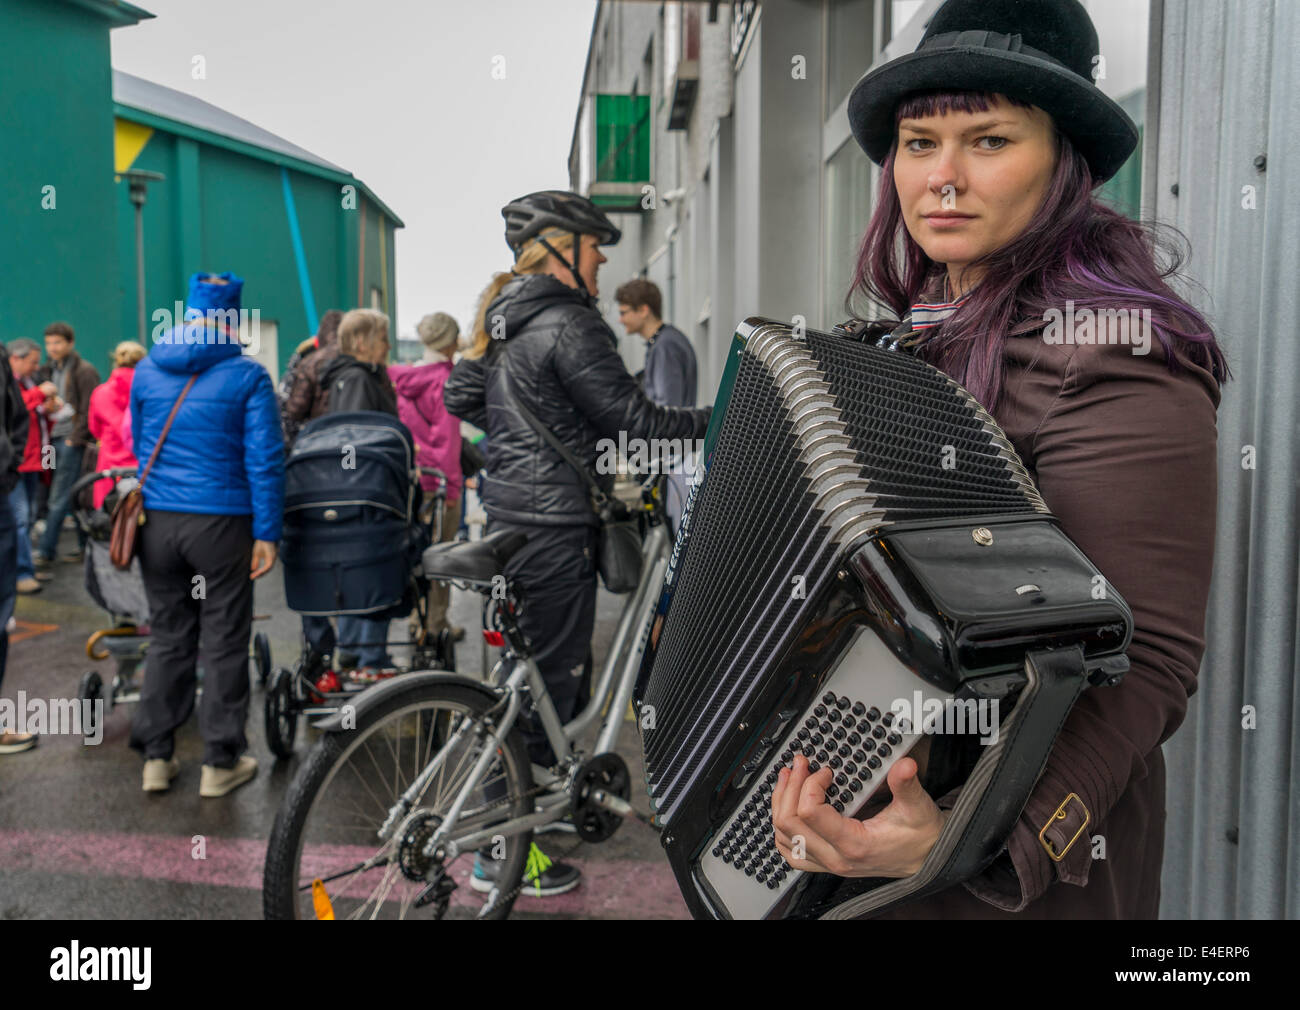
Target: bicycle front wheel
(325, 857)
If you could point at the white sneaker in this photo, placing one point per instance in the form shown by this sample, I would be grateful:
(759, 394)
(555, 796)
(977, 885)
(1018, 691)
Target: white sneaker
(158, 774)
(215, 781)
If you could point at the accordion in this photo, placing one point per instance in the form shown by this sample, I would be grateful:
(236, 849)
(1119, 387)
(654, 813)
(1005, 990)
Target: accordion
(863, 571)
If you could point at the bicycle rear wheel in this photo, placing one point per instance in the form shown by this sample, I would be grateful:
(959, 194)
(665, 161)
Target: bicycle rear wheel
(327, 826)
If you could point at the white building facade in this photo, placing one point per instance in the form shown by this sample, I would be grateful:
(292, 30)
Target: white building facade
(717, 136)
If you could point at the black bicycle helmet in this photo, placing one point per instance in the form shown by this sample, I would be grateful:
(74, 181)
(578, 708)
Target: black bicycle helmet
(528, 216)
(531, 215)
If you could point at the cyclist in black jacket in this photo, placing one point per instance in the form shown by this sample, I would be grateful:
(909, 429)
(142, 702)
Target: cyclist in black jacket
(540, 339)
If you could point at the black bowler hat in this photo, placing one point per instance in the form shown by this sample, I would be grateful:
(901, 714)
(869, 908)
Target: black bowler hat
(1040, 51)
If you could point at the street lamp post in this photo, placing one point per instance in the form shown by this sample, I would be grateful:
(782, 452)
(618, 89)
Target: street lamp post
(138, 181)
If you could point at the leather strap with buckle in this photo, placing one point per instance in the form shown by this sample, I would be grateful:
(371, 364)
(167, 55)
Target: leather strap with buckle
(1054, 833)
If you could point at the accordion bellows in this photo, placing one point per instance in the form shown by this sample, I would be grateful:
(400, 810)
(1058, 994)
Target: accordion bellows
(830, 551)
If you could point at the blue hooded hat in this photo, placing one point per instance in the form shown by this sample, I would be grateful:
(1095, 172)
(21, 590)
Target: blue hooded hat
(204, 296)
(192, 346)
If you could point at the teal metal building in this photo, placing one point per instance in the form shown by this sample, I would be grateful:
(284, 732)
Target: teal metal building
(306, 235)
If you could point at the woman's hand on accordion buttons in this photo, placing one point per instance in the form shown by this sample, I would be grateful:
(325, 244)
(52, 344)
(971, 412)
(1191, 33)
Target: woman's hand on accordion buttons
(893, 843)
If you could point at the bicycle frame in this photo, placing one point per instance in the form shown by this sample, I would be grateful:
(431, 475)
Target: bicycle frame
(612, 694)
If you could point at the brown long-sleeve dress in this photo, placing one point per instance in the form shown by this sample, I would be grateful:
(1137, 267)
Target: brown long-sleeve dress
(1123, 452)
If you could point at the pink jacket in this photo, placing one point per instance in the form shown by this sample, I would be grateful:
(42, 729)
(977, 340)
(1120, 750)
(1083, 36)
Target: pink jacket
(108, 408)
(437, 433)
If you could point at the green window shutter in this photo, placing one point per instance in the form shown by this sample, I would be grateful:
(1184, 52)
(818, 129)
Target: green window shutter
(622, 138)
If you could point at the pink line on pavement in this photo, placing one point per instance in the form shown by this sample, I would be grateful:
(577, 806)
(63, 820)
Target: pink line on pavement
(620, 888)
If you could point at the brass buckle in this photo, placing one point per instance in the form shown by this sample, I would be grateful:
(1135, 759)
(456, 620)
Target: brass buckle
(1060, 815)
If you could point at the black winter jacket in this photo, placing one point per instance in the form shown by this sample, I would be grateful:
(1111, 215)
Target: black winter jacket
(563, 362)
(358, 385)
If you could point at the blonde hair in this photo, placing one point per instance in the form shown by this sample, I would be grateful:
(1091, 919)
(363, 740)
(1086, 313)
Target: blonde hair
(358, 326)
(531, 260)
(128, 353)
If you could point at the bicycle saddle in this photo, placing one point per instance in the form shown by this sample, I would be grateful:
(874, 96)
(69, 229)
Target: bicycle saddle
(472, 560)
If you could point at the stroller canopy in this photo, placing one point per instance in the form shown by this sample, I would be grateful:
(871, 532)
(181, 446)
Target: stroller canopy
(356, 458)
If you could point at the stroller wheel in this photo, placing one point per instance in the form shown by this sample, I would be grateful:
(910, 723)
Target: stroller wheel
(92, 690)
(260, 661)
(447, 651)
(281, 713)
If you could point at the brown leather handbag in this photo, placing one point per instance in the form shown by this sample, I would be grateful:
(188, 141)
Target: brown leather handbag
(128, 515)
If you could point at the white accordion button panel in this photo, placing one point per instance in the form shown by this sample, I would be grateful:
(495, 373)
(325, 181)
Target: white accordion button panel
(853, 728)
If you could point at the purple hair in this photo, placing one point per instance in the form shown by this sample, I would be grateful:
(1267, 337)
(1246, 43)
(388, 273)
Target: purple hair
(1074, 247)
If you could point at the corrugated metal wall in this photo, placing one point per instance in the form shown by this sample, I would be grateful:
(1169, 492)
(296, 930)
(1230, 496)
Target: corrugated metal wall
(1226, 87)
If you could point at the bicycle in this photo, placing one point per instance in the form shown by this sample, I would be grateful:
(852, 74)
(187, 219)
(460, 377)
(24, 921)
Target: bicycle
(364, 832)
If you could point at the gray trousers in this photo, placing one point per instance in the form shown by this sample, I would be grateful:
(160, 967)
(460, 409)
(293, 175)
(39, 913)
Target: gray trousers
(200, 602)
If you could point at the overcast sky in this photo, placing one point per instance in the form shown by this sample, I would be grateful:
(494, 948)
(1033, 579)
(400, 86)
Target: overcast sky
(401, 93)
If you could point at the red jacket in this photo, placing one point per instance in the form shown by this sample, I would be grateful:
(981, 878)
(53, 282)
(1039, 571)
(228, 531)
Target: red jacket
(36, 428)
(108, 404)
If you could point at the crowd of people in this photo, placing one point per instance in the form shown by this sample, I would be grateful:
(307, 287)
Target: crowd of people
(209, 434)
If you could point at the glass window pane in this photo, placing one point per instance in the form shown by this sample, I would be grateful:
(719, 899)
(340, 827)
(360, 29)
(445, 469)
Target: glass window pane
(848, 208)
(901, 13)
(850, 47)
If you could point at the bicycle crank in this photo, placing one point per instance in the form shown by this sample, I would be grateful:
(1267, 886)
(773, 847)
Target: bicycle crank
(598, 796)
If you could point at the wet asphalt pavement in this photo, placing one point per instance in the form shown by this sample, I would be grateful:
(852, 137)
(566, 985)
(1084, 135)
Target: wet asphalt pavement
(80, 840)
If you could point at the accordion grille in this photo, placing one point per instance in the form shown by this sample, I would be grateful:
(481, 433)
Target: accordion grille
(824, 441)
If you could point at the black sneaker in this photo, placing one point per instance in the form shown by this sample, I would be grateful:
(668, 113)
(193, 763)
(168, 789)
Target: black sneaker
(553, 879)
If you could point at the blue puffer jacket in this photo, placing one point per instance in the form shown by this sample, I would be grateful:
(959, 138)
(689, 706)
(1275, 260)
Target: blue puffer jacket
(225, 452)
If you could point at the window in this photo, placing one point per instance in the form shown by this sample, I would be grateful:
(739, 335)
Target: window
(847, 209)
(900, 14)
(645, 80)
(850, 47)
(622, 150)
(1121, 73)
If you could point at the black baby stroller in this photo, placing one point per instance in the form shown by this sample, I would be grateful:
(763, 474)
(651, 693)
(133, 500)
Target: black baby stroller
(351, 546)
(121, 594)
